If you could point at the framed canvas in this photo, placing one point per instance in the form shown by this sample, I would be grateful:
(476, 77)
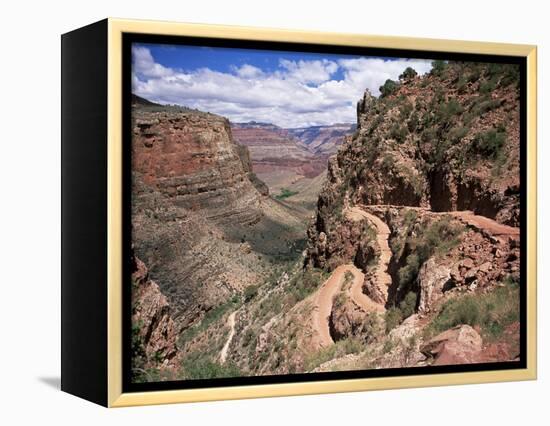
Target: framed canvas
(255, 212)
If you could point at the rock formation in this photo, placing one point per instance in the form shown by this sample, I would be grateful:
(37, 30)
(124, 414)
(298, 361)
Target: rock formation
(154, 331)
(459, 345)
(275, 153)
(191, 157)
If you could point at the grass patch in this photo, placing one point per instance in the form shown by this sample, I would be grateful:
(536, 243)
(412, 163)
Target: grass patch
(209, 318)
(337, 350)
(196, 367)
(285, 193)
(305, 283)
(491, 312)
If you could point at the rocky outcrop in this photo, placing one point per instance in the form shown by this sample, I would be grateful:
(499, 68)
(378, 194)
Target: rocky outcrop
(446, 141)
(244, 155)
(348, 242)
(154, 331)
(459, 345)
(432, 279)
(190, 157)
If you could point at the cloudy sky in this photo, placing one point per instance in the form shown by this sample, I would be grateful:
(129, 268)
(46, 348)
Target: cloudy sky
(289, 89)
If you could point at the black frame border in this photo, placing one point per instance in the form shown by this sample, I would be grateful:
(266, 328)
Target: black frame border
(129, 38)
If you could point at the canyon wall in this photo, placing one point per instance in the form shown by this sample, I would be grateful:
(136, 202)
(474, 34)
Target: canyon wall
(190, 157)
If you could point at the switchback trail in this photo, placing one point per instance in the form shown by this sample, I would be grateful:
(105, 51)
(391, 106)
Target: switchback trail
(225, 349)
(382, 277)
(324, 298)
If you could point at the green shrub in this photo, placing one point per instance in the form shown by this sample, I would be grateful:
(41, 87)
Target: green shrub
(393, 317)
(388, 88)
(408, 74)
(412, 124)
(438, 238)
(488, 86)
(212, 316)
(409, 272)
(305, 283)
(457, 133)
(447, 112)
(249, 336)
(250, 292)
(405, 110)
(441, 236)
(387, 161)
(510, 76)
(438, 67)
(484, 105)
(462, 84)
(285, 193)
(398, 132)
(408, 304)
(489, 143)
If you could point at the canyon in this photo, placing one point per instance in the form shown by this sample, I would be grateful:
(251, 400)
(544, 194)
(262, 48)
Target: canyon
(391, 243)
(290, 159)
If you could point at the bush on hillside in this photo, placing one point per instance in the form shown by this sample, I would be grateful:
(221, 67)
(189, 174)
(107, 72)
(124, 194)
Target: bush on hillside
(388, 88)
(408, 74)
(490, 143)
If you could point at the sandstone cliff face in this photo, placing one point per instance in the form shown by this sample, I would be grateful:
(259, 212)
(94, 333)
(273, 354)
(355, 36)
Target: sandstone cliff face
(154, 331)
(191, 157)
(244, 155)
(201, 219)
(275, 152)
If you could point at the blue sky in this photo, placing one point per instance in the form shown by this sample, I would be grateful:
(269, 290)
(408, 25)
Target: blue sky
(290, 89)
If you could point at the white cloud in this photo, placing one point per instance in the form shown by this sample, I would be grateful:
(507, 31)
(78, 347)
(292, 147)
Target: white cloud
(297, 94)
(308, 71)
(145, 65)
(248, 71)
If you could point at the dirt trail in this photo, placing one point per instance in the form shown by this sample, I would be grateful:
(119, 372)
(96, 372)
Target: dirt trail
(478, 222)
(324, 297)
(382, 277)
(490, 226)
(225, 349)
(359, 297)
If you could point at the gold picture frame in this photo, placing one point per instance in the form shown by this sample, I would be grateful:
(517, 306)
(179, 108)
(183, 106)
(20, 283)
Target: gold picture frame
(116, 397)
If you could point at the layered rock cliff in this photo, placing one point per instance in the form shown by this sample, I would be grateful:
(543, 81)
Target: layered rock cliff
(323, 140)
(191, 157)
(201, 219)
(276, 153)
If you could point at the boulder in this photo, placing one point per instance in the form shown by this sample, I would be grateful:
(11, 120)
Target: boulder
(459, 345)
(431, 281)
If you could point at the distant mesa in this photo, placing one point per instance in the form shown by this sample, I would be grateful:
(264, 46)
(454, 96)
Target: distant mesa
(138, 100)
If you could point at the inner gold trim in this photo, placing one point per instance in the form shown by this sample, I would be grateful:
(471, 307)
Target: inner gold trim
(116, 28)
